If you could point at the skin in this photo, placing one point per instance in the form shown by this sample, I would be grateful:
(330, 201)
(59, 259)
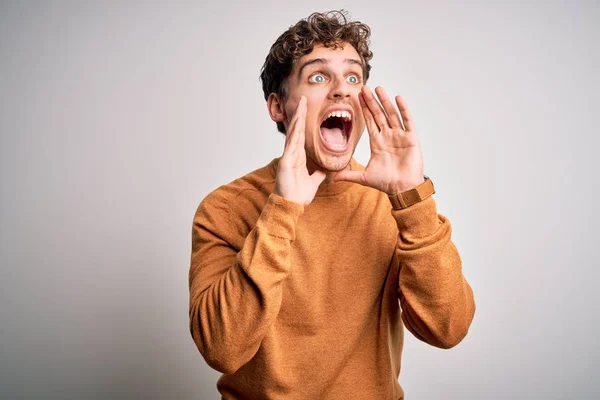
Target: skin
(336, 80)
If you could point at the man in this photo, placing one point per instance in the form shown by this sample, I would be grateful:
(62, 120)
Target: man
(303, 271)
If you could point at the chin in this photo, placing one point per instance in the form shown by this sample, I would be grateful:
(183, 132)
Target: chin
(334, 162)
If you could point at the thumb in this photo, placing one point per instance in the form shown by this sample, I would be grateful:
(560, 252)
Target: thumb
(318, 177)
(350, 176)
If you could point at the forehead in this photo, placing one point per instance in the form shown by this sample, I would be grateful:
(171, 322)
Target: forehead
(334, 56)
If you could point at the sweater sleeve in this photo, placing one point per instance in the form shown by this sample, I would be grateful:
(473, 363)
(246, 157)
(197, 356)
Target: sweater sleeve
(436, 300)
(235, 296)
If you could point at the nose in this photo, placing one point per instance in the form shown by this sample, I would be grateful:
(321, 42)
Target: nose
(340, 89)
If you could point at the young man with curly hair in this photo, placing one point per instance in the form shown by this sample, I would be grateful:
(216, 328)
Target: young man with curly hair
(304, 272)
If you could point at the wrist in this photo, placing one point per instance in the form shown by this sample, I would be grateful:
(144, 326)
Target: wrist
(405, 186)
(405, 199)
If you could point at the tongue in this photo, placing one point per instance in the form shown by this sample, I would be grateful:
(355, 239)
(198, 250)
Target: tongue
(334, 136)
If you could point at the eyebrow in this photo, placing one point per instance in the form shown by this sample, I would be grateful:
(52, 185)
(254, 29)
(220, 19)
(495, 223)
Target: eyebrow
(325, 61)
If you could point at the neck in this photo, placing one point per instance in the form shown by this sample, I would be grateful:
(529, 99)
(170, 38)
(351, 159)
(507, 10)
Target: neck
(311, 166)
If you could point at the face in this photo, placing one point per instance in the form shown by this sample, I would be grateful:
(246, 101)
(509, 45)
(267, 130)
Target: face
(330, 79)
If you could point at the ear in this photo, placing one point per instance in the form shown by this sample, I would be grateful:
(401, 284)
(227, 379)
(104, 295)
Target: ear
(276, 108)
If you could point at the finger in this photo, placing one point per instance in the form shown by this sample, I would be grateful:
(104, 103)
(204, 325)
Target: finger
(350, 176)
(297, 123)
(406, 117)
(392, 113)
(372, 127)
(289, 133)
(291, 127)
(375, 108)
(299, 134)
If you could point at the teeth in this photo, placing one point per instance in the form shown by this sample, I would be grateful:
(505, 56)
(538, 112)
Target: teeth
(340, 114)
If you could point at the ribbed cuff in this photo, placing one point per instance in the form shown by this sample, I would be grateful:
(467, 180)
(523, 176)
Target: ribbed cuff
(279, 217)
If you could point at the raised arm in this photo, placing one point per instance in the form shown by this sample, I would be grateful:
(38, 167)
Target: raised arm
(437, 302)
(236, 296)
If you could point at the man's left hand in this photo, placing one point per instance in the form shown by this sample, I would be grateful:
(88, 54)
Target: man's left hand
(396, 163)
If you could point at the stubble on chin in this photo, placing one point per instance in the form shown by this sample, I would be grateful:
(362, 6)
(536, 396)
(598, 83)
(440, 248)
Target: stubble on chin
(334, 163)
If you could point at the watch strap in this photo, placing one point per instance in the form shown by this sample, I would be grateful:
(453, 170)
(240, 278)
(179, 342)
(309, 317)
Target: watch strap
(409, 197)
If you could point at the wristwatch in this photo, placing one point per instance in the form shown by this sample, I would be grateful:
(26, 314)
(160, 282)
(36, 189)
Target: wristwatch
(408, 198)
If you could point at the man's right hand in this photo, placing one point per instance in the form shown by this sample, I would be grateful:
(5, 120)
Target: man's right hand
(293, 181)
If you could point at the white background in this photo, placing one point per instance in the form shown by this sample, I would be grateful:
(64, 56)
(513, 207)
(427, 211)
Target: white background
(117, 118)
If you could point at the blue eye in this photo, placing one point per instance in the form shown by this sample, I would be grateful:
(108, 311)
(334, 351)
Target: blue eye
(317, 78)
(352, 79)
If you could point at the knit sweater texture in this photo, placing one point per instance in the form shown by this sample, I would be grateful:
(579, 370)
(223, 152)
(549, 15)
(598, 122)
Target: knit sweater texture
(309, 302)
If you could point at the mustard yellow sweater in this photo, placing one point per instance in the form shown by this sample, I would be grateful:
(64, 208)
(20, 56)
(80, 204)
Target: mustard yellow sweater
(294, 302)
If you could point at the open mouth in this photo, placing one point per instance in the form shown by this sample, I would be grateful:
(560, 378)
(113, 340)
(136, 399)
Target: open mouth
(336, 129)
